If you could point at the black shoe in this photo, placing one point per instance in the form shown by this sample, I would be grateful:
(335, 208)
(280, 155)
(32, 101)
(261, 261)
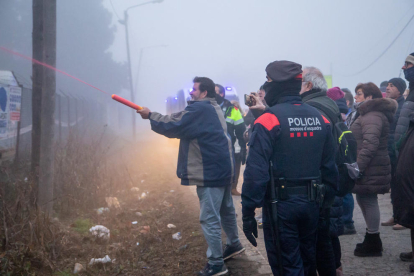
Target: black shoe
(406, 256)
(232, 250)
(411, 267)
(213, 270)
(349, 230)
(371, 247)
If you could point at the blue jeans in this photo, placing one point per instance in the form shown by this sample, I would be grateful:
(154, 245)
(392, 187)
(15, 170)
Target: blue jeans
(348, 208)
(217, 211)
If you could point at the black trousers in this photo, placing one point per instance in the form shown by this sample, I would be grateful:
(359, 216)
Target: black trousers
(325, 255)
(297, 222)
(237, 157)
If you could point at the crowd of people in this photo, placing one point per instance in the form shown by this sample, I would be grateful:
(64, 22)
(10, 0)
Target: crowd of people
(291, 140)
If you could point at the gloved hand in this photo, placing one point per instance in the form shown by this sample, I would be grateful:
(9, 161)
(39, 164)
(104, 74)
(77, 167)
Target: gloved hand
(243, 154)
(250, 229)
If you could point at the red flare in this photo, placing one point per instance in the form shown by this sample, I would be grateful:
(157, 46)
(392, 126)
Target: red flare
(126, 102)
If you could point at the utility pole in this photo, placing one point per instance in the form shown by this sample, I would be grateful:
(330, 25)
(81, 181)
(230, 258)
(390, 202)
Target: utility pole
(46, 171)
(37, 80)
(131, 86)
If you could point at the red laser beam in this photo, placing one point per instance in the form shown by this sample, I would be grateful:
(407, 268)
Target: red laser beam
(51, 67)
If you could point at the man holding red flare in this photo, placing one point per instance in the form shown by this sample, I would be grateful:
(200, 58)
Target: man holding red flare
(205, 159)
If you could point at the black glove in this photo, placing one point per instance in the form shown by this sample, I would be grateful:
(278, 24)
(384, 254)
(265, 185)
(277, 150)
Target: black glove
(243, 154)
(250, 229)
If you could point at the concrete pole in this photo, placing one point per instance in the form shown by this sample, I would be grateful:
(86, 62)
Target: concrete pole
(46, 172)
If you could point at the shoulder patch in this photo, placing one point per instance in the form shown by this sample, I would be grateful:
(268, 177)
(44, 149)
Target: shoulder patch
(268, 120)
(326, 120)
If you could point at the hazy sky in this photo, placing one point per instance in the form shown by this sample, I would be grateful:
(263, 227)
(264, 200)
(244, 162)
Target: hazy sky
(232, 41)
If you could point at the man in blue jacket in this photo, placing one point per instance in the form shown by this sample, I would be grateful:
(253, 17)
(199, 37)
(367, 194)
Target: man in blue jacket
(205, 159)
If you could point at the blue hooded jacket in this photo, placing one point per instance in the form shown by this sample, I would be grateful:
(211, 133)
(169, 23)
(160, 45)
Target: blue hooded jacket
(205, 156)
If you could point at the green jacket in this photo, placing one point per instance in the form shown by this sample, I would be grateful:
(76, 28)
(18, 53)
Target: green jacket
(321, 97)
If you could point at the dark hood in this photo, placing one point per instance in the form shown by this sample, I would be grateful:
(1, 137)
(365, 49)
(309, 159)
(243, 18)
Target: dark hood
(384, 105)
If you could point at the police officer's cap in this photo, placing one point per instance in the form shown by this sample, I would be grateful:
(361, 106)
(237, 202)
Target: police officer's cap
(284, 70)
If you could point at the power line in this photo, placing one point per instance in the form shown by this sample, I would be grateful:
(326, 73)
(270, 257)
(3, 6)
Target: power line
(113, 8)
(386, 49)
(389, 31)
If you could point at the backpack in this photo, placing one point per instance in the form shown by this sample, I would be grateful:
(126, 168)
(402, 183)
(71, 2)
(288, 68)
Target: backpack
(346, 155)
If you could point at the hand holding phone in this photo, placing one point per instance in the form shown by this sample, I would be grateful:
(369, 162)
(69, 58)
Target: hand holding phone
(249, 100)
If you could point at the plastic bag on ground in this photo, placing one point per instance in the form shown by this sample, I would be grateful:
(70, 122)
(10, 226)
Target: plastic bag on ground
(100, 231)
(177, 236)
(103, 260)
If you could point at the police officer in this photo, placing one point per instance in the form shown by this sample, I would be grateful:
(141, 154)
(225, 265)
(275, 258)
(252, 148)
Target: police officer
(235, 125)
(291, 162)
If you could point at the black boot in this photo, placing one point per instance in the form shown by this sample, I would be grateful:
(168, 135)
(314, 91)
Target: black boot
(371, 247)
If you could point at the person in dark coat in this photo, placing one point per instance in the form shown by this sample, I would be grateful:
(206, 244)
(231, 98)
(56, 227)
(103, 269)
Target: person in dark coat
(298, 155)
(395, 90)
(402, 126)
(408, 106)
(403, 194)
(336, 227)
(371, 129)
(314, 91)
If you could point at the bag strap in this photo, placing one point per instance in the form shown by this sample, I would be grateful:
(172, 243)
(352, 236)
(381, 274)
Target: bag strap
(334, 118)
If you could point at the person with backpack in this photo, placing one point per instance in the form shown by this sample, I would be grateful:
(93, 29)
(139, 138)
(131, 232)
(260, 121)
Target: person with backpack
(371, 128)
(328, 251)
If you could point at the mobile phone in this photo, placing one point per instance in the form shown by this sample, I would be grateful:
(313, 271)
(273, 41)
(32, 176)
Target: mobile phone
(248, 100)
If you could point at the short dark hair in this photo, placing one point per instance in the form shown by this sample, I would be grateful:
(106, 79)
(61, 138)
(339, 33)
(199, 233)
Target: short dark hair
(349, 97)
(206, 84)
(369, 89)
(221, 89)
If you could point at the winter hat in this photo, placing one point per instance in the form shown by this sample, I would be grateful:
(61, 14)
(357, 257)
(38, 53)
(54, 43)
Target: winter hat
(286, 80)
(283, 70)
(335, 93)
(383, 86)
(399, 83)
(410, 58)
(341, 103)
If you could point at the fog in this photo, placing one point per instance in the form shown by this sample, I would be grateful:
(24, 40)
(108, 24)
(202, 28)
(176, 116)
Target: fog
(233, 41)
(229, 41)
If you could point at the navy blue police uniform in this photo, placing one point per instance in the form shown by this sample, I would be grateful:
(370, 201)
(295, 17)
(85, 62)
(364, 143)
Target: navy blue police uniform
(297, 139)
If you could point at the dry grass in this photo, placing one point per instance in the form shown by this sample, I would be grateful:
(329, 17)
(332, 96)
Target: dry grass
(87, 171)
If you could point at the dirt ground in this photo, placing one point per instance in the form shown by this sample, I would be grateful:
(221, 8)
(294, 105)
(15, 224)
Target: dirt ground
(140, 241)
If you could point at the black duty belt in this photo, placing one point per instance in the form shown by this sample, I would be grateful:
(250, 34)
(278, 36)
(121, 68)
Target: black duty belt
(285, 189)
(298, 190)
